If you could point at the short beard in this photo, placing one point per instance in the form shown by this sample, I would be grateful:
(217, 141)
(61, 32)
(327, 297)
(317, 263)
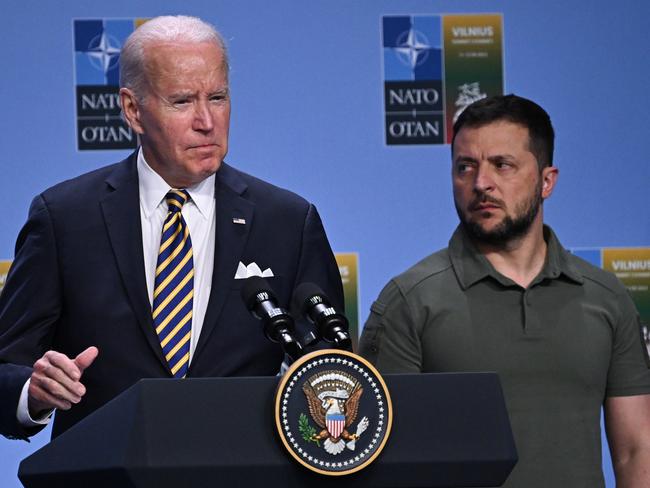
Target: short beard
(509, 229)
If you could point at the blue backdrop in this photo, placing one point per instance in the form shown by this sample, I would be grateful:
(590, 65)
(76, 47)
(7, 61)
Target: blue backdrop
(307, 104)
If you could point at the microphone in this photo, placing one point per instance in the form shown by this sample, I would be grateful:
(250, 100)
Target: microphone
(278, 324)
(314, 304)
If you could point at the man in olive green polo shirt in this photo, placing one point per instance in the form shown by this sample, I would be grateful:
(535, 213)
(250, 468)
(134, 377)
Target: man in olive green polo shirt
(505, 296)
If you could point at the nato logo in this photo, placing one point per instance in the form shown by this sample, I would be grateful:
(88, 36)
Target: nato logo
(412, 49)
(97, 45)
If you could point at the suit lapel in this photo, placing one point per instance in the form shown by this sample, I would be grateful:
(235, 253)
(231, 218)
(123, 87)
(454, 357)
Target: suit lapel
(231, 236)
(122, 217)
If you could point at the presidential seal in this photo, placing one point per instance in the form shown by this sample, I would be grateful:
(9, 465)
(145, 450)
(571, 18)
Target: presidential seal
(333, 412)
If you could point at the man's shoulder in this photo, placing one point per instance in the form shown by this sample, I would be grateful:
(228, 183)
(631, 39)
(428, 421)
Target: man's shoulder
(427, 277)
(599, 277)
(431, 270)
(88, 184)
(595, 278)
(258, 189)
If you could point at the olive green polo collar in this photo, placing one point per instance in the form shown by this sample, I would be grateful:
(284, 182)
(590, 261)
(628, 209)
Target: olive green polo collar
(471, 266)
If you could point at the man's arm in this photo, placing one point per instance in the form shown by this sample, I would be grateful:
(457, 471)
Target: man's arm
(390, 339)
(30, 306)
(627, 422)
(317, 263)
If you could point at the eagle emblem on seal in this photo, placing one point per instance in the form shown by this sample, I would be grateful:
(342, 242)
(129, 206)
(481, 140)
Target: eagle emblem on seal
(333, 400)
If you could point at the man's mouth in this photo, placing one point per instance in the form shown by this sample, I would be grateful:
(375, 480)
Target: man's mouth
(484, 205)
(201, 146)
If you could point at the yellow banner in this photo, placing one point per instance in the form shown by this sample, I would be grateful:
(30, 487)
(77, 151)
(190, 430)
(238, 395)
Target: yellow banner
(349, 268)
(632, 267)
(4, 269)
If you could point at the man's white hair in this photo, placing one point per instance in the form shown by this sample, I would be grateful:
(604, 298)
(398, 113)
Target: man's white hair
(167, 28)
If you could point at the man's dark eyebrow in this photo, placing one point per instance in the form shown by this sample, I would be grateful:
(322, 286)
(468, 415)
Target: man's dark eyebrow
(464, 159)
(502, 157)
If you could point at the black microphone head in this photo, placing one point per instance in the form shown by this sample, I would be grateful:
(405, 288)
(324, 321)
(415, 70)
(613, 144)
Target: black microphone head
(253, 286)
(315, 306)
(303, 296)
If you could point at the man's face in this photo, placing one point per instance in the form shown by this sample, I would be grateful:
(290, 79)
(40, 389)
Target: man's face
(498, 188)
(184, 118)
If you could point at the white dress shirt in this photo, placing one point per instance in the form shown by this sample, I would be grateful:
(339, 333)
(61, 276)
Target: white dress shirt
(198, 213)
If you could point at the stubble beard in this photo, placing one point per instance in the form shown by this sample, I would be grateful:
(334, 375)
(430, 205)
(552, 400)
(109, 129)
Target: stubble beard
(510, 228)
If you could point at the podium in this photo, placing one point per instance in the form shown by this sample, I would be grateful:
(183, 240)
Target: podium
(449, 429)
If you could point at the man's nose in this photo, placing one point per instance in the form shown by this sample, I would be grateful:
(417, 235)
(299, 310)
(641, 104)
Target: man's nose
(203, 117)
(484, 181)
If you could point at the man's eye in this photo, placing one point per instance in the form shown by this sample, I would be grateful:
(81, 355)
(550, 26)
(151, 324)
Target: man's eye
(463, 168)
(182, 101)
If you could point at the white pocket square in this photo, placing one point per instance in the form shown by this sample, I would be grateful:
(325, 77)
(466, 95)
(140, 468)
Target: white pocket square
(252, 269)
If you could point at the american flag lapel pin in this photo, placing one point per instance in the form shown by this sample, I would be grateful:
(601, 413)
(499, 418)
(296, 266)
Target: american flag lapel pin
(239, 221)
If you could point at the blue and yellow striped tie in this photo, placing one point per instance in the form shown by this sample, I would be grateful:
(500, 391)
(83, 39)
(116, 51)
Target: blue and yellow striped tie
(174, 286)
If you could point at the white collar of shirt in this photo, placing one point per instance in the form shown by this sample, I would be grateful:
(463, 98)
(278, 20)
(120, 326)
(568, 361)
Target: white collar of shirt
(153, 189)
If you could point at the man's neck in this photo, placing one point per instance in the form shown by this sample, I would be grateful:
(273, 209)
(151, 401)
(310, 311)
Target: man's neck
(519, 259)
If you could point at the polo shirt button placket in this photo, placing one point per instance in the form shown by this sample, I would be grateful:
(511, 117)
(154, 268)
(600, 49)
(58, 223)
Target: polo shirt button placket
(532, 327)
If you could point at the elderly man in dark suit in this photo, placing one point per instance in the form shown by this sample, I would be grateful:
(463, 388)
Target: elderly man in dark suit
(131, 271)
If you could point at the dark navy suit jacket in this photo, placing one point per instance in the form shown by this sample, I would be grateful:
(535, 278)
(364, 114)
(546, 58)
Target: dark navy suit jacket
(78, 280)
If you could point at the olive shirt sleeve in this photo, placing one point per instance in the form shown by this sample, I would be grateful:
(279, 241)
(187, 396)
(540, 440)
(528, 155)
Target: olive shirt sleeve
(629, 372)
(391, 337)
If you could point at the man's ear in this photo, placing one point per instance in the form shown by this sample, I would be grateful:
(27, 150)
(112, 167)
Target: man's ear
(131, 110)
(549, 179)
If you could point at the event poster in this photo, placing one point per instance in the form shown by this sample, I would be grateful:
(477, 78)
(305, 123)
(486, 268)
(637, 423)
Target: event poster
(97, 46)
(434, 67)
(473, 49)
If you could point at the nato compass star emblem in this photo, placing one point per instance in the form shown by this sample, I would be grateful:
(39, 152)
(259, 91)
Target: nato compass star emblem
(333, 412)
(412, 48)
(104, 52)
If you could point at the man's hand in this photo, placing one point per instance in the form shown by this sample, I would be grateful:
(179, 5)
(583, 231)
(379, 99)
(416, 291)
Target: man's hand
(55, 381)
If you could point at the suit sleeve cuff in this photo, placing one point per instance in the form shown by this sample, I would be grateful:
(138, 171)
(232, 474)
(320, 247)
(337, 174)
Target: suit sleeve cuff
(22, 412)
